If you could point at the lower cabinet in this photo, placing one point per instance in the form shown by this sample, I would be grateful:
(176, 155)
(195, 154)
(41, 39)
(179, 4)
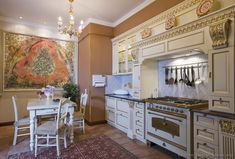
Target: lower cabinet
(214, 137)
(122, 121)
(139, 121)
(127, 116)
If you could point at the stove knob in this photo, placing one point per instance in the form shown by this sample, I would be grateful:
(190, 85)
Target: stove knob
(164, 108)
(176, 110)
(168, 109)
(172, 109)
(160, 107)
(181, 111)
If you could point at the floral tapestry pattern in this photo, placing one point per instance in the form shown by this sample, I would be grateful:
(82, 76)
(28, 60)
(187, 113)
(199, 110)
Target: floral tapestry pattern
(31, 62)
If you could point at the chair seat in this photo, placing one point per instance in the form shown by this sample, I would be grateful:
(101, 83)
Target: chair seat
(23, 121)
(49, 128)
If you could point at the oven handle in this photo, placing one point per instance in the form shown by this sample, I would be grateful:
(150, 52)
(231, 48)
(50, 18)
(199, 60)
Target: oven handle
(166, 117)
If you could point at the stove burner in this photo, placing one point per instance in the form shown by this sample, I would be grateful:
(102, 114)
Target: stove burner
(178, 100)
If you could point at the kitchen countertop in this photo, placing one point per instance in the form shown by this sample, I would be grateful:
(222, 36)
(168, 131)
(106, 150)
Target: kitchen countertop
(214, 113)
(127, 97)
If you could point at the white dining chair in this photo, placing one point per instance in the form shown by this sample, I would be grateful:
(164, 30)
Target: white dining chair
(79, 117)
(21, 125)
(53, 129)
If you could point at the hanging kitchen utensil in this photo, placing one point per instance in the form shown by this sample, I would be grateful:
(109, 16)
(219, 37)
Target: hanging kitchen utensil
(192, 83)
(176, 76)
(166, 76)
(186, 73)
(171, 80)
(181, 75)
(198, 81)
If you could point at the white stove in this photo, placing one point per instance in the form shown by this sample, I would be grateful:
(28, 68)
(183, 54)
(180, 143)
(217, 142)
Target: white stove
(169, 123)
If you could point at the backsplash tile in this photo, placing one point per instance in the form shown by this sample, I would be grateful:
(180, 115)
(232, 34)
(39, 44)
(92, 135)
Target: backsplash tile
(200, 91)
(118, 82)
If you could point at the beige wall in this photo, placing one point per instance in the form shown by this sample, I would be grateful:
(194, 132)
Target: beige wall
(148, 12)
(6, 108)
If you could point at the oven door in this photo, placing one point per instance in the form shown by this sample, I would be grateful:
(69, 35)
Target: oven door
(168, 128)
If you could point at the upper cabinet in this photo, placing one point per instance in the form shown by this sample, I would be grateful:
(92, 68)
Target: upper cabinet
(122, 58)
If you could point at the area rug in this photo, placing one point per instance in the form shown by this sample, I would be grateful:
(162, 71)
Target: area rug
(100, 147)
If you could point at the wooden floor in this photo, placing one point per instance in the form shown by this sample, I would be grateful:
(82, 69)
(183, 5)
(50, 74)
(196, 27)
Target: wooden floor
(136, 147)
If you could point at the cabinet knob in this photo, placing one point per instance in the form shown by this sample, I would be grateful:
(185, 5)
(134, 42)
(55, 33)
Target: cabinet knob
(163, 144)
(220, 101)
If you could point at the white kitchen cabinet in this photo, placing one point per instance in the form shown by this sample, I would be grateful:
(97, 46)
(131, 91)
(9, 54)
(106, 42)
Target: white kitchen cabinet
(221, 80)
(122, 115)
(122, 58)
(214, 137)
(127, 116)
(206, 139)
(110, 109)
(139, 121)
(227, 139)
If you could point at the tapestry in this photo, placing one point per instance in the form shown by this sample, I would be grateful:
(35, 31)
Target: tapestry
(32, 62)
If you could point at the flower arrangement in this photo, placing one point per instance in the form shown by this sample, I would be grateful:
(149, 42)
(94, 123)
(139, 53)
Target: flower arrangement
(48, 91)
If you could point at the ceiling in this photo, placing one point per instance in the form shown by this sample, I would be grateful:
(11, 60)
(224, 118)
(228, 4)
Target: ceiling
(46, 12)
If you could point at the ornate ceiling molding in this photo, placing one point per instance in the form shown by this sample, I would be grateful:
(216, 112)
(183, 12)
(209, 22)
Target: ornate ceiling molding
(161, 17)
(196, 25)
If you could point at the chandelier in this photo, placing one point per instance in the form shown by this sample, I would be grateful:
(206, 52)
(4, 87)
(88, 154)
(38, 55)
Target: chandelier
(70, 29)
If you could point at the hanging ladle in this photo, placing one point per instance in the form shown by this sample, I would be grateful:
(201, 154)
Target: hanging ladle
(198, 81)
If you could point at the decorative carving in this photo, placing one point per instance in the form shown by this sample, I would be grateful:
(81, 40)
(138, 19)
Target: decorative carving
(227, 126)
(170, 22)
(146, 33)
(204, 7)
(219, 34)
(161, 17)
(135, 55)
(201, 23)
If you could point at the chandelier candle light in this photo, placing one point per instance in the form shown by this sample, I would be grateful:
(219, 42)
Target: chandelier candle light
(71, 30)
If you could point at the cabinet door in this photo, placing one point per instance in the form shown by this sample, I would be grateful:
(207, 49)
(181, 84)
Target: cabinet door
(115, 59)
(221, 80)
(110, 116)
(122, 121)
(221, 72)
(136, 77)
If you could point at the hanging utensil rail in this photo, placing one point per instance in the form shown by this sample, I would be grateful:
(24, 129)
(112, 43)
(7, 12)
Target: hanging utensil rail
(197, 64)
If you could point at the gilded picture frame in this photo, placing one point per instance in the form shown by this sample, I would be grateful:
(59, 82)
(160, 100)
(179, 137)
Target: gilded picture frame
(32, 62)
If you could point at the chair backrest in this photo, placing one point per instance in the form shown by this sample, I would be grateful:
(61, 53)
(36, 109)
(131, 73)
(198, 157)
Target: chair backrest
(15, 108)
(83, 102)
(61, 116)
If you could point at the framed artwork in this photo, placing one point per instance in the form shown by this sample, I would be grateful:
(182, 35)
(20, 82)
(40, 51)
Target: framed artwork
(31, 62)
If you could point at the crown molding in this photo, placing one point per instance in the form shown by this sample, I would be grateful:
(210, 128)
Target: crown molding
(97, 21)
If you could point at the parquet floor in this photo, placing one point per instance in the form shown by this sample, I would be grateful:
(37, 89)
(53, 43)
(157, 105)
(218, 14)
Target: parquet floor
(138, 148)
